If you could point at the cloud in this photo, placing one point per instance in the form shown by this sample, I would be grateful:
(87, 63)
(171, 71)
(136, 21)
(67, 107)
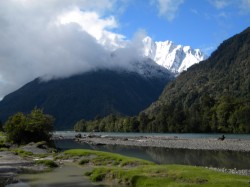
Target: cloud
(94, 25)
(242, 5)
(57, 38)
(220, 4)
(168, 8)
(245, 6)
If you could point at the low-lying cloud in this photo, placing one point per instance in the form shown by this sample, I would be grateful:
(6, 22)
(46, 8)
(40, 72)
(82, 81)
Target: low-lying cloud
(58, 38)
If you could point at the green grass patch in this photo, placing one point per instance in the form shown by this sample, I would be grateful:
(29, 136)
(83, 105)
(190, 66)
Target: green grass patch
(99, 158)
(48, 163)
(168, 175)
(21, 152)
(2, 139)
(135, 172)
(84, 161)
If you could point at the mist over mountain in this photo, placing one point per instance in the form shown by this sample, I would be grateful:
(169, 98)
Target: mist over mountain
(211, 96)
(88, 95)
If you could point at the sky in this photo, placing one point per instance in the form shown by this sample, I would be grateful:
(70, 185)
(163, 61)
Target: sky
(60, 38)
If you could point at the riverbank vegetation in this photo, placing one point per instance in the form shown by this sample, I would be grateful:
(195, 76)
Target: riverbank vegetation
(2, 139)
(121, 170)
(207, 115)
(118, 170)
(33, 127)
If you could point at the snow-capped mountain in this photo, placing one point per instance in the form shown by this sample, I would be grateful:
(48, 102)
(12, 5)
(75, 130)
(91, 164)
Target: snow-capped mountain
(142, 65)
(175, 58)
(149, 69)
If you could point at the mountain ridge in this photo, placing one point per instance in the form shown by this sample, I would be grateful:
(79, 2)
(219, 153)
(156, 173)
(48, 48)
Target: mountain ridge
(212, 96)
(219, 85)
(176, 58)
(87, 95)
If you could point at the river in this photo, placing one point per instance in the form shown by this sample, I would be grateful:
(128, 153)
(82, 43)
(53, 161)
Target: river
(72, 175)
(207, 158)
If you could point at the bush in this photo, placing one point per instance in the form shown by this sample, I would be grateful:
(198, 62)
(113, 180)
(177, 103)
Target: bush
(33, 127)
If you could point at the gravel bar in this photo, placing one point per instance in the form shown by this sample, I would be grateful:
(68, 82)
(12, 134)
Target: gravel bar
(177, 143)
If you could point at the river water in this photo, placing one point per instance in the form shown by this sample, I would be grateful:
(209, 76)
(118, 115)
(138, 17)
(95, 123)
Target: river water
(72, 175)
(208, 158)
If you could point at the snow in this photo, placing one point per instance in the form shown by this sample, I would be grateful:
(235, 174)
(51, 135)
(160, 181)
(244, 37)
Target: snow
(176, 58)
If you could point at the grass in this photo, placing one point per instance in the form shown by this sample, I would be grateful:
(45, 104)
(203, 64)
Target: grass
(168, 175)
(2, 138)
(98, 158)
(21, 152)
(140, 173)
(48, 163)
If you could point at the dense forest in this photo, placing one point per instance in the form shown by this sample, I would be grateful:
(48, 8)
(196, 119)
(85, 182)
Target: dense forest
(226, 115)
(212, 96)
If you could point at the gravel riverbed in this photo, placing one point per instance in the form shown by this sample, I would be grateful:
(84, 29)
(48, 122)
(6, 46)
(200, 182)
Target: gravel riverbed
(178, 143)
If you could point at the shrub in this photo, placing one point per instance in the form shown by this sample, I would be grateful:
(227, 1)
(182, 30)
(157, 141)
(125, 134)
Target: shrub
(33, 127)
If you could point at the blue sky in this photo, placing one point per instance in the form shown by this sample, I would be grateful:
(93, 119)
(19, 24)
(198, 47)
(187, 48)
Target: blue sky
(201, 24)
(60, 38)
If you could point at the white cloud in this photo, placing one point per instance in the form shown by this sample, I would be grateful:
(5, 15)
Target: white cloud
(245, 6)
(56, 38)
(168, 8)
(242, 5)
(220, 4)
(89, 21)
(93, 24)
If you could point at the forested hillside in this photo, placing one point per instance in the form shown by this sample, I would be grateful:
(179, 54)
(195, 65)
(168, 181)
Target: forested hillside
(212, 96)
(89, 95)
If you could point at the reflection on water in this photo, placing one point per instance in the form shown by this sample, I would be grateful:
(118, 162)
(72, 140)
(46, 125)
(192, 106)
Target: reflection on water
(219, 159)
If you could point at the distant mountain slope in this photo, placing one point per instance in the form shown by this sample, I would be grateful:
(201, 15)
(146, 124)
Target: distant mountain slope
(213, 95)
(175, 58)
(96, 93)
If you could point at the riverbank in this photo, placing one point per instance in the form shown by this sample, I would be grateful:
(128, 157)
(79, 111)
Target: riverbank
(25, 159)
(169, 142)
(105, 167)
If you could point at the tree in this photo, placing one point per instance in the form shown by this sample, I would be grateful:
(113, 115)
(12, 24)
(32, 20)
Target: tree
(1, 126)
(33, 127)
(80, 126)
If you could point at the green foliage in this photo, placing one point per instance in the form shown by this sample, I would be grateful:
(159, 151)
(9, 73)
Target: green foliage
(2, 139)
(48, 163)
(225, 115)
(33, 127)
(111, 123)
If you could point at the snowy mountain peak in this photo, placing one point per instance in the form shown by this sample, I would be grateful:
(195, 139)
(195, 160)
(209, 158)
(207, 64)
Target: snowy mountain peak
(175, 58)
